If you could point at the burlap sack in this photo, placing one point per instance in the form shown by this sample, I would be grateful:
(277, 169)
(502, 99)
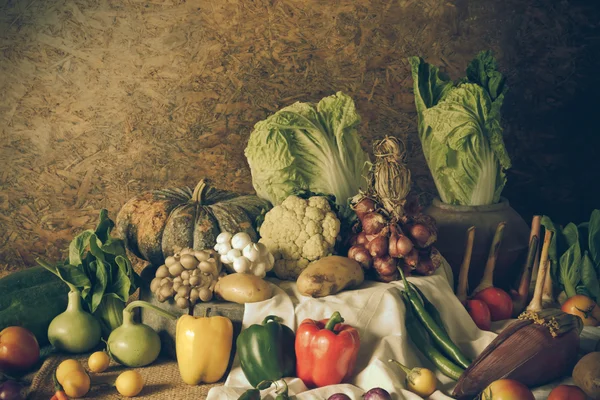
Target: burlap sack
(162, 381)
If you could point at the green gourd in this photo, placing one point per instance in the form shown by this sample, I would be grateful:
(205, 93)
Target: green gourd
(134, 344)
(75, 330)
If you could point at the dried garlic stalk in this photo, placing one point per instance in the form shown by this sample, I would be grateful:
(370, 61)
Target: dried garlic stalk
(391, 176)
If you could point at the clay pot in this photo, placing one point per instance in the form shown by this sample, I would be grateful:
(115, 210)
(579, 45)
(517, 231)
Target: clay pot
(453, 222)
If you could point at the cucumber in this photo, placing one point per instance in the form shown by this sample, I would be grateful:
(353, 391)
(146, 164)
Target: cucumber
(31, 298)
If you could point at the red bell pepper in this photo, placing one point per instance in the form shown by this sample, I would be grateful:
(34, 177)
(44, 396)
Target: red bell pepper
(326, 351)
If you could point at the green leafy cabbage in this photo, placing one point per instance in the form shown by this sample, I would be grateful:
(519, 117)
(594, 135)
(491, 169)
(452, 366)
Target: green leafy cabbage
(312, 147)
(460, 132)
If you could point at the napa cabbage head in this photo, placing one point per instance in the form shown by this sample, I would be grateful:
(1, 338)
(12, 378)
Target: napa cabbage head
(460, 131)
(306, 146)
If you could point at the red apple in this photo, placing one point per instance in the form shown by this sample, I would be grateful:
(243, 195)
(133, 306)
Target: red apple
(567, 392)
(507, 389)
(19, 349)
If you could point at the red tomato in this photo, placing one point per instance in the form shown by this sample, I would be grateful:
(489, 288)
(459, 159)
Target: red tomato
(507, 389)
(584, 308)
(19, 349)
(498, 301)
(567, 392)
(480, 313)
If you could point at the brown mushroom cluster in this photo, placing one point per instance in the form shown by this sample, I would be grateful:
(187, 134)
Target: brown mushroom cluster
(188, 277)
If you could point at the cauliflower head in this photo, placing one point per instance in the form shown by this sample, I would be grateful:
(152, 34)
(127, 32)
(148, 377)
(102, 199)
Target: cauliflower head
(297, 232)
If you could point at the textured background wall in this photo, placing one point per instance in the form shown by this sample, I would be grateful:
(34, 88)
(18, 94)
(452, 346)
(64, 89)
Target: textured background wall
(101, 99)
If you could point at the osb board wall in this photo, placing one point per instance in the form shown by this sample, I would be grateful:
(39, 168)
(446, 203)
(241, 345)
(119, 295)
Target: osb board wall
(102, 99)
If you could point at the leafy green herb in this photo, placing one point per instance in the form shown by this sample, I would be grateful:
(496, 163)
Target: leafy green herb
(460, 131)
(575, 267)
(589, 277)
(98, 267)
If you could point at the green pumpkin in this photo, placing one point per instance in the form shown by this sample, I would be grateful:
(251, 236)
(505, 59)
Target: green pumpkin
(159, 223)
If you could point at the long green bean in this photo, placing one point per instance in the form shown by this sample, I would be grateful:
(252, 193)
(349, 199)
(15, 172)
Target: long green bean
(439, 335)
(420, 338)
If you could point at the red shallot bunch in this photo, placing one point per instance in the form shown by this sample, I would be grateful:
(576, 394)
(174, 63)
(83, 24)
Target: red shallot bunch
(382, 243)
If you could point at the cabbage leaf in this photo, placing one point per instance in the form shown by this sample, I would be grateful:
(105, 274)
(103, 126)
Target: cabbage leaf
(460, 131)
(313, 147)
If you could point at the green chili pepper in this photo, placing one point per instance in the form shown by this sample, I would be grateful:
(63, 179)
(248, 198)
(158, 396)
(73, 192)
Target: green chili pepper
(430, 308)
(439, 336)
(420, 338)
(250, 394)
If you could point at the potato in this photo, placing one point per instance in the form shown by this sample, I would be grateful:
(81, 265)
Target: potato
(330, 275)
(586, 374)
(243, 288)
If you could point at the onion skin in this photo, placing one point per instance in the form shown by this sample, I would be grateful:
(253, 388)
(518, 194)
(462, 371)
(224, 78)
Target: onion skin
(404, 245)
(425, 265)
(364, 207)
(370, 237)
(372, 223)
(339, 396)
(584, 307)
(420, 234)
(412, 258)
(361, 238)
(377, 394)
(378, 247)
(392, 248)
(385, 265)
(498, 301)
(388, 278)
(12, 390)
(361, 255)
(399, 245)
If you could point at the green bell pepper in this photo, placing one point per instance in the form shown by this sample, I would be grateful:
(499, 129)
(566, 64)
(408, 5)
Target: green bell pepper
(266, 351)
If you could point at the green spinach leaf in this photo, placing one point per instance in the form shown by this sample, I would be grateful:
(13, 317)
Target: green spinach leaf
(95, 249)
(589, 277)
(99, 285)
(594, 239)
(120, 285)
(75, 276)
(78, 247)
(570, 262)
(104, 227)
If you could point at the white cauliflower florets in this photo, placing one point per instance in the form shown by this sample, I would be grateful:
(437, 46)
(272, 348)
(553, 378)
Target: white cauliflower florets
(298, 232)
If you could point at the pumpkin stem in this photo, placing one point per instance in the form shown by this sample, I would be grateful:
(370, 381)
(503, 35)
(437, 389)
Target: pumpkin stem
(198, 195)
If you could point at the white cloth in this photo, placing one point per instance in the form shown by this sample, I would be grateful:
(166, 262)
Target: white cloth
(377, 311)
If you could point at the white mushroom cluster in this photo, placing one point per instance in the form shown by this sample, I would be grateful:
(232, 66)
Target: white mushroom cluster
(241, 255)
(188, 277)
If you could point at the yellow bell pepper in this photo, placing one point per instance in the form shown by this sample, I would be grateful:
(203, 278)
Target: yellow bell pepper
(203, 346)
